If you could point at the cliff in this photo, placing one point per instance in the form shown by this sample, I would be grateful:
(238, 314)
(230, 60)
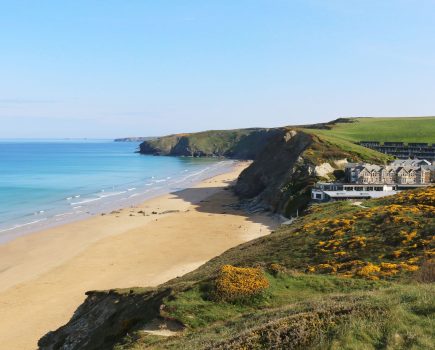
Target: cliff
(104, 317)
(281, 177)
(239, 143)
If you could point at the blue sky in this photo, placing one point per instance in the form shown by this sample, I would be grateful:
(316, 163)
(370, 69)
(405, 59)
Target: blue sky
(88, 68)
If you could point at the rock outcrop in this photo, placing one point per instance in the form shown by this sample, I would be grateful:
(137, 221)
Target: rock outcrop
(104, 318)
(279, 166)
(323, 170)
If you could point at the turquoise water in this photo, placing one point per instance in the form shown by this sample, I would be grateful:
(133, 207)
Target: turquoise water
(45, 183)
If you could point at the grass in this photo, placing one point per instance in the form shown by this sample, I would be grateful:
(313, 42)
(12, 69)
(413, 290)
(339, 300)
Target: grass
(323, 149)
(246, 143)
(329, 147)
(305, 311)
(416, 129)
(237, 143)
(386, 227)
(331, 309)
(195, 309)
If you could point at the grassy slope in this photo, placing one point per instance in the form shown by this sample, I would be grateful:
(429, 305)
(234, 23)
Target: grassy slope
(392, 312)
(213, 142)
(417, 129)
(220, 141)
(327, 308)
(230, 142)
(335, 147)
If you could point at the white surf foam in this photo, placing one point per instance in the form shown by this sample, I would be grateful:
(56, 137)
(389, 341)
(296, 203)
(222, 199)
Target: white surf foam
(22, 225)
(86, 201)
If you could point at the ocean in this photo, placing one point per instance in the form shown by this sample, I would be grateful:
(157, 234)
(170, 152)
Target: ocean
(44, 183)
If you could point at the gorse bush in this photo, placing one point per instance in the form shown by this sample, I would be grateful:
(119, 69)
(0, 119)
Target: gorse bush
(238, 283)
(425, 196)
(378, 242)
(277, 269)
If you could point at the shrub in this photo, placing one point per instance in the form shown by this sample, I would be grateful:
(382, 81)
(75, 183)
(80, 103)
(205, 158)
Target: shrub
(237, 283)
(277, 269)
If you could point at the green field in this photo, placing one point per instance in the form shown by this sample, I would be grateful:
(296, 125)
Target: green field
(416, 129)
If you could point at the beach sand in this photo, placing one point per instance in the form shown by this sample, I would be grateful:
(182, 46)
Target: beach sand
(43, 276)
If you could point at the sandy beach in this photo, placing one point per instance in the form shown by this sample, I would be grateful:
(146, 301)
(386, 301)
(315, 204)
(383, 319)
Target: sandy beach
(43, 276)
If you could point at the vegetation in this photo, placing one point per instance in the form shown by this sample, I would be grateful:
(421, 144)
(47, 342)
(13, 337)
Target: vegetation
(381, 241)
(342, 277)
(247, 143)
(239, 283)
(327, 148)
(238, 143)
(416, 129)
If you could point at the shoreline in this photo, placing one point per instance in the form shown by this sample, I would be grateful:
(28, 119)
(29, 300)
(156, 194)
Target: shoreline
(84, 208)
(44, 275)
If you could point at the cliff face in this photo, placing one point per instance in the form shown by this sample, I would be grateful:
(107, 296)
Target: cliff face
(281, 177)
(240, 144)
(103, 318)
(280, 163)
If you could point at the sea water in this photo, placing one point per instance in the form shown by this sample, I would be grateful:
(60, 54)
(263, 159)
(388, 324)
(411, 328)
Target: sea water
(44, 183)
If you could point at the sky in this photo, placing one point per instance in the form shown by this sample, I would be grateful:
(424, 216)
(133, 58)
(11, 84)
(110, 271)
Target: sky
(107, 69)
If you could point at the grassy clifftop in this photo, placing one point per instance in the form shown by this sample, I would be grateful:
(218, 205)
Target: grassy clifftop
(239, 143)
(343, 276)
(413, 129)
(247, 143)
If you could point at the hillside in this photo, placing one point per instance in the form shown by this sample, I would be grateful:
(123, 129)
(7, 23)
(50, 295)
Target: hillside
(343, 276)
(239, 143)
(413, 129)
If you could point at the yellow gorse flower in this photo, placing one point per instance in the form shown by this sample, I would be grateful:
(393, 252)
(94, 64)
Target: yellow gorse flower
(239, 282)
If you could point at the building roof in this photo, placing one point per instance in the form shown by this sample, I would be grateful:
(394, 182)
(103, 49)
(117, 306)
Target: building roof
(410, 162)
(359, 194)
(397, 165)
